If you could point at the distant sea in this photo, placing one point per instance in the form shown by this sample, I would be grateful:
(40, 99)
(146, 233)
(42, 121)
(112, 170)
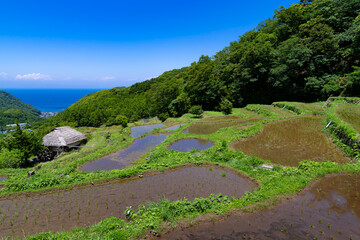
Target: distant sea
(50, 100)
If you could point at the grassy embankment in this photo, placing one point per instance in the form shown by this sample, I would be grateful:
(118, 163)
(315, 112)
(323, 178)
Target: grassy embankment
(273, 184)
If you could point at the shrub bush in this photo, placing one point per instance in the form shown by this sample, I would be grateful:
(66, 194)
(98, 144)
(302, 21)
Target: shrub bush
(163, 116)
(196, 110)
(121, 120)
(226, 106)
(11, 159)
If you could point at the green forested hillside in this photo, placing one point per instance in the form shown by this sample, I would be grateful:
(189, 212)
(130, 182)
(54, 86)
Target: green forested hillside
(141, 100)
(8, 101)
(307, 52)
(12, 109)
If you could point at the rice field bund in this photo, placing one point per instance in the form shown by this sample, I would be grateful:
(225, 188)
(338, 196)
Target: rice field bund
(283, 171)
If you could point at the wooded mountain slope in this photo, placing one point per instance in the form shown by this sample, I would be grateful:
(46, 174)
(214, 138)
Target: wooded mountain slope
(12, 109)
(306, 52)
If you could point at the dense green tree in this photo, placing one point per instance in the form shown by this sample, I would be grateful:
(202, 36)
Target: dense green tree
(352, 87)
(26, 142)
(200, 85)
(179, 106)
(305, 52)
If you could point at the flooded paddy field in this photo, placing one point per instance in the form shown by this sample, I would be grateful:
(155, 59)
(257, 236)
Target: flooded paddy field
(278, 111)
(174, 127)
(221, 118)
(186, 145)
(125, 157)
(81, 207)
(330, 209)
(3, 178)
(290, 141)
(211, 127)
(350, 114)
(140, 130)
(308, 107)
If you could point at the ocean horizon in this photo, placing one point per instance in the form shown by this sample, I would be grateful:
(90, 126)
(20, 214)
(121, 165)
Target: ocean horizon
(50, 100)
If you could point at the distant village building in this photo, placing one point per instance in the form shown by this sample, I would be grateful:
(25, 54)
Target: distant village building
(48, 114)
(22, 125)
(62, 139)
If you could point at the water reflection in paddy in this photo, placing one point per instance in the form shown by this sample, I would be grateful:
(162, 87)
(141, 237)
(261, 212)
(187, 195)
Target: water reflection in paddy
(329, 210)
(211, 127)
(174, 127)
(125, 156)
(186, 145)
(66, 210)
(290, 141)
(140, 130)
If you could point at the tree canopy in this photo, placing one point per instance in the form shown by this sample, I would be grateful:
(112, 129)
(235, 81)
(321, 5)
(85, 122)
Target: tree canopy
(306, 52)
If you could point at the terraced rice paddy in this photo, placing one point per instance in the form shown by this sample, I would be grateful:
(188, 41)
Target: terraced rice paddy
(281, 113)
(174, 127)
(350, 114)
(221, 118)
(140, 130)
(186, 145)
(290, 141)
(330, 209)
(84, 206)
(205, 128)
(308, 107)
(126, 156)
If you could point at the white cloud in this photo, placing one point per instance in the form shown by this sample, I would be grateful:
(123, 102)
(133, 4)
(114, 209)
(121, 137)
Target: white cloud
(107, 78)
(3, 74)
(33, 76)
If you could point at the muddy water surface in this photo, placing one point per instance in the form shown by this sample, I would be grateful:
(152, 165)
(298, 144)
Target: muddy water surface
(186, 145)
(174, 127)
(140, 130)
(329, 210)
(126, 156)
(211, 127)
(81, 207)
(290, 141)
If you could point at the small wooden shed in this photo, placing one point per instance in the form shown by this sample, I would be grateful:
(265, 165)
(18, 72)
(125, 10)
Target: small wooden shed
(63, 138)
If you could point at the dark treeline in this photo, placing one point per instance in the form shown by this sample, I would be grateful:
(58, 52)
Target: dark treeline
(306, 52)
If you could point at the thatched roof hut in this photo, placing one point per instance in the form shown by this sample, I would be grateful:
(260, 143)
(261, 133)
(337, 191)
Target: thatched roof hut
(63, 137)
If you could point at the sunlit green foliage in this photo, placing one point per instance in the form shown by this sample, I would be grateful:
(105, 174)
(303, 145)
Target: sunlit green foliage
(21, 144)
(226, 106)
(12, 109)
(306, 52)
(196, 110)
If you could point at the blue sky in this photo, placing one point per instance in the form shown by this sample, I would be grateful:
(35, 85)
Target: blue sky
(104, 44)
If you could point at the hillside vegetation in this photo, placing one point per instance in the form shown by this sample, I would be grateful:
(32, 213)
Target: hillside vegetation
(12, 109)
(305, 53)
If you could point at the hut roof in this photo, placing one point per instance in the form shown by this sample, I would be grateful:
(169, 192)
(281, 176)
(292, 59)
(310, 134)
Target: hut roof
(62, 136)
